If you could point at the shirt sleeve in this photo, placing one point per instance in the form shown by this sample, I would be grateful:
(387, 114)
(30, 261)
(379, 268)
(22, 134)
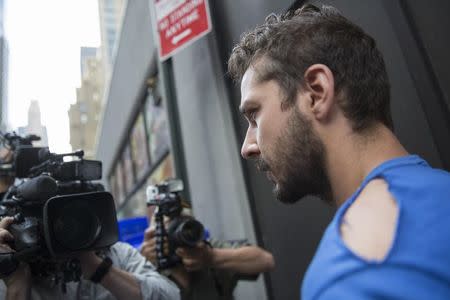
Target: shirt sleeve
(232, 244)
(153, 285)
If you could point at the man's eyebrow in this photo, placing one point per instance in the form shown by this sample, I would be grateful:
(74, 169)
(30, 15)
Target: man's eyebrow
(242, 109)
(248, 104)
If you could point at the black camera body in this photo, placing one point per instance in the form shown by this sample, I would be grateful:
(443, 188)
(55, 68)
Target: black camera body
(181, 231)
(58, 212)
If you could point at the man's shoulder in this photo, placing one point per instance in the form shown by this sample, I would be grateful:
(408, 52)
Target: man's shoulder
(369, 224)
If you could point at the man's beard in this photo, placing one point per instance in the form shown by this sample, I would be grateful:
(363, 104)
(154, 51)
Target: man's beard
(298, 160)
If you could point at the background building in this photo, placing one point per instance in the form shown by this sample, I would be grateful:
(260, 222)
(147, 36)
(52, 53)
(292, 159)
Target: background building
(34, 125)
(111, 14)
(85, 53)
(228, 195)
(4, 53)
(85, 113)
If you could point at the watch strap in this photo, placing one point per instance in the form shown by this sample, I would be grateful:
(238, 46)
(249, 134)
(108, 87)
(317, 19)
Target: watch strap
(102, 270)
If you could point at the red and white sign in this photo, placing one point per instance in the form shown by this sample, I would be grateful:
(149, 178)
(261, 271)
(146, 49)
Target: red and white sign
(179, 23)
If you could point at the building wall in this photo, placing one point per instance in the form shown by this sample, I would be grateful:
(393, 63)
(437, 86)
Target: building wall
(111, 14)
(4, 55)
(135, 61)
(84, 114)
(34, 125)
(4, 59)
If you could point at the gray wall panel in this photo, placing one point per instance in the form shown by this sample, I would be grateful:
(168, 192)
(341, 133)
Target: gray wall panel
(135, 60)
(432, 23)
(409, 119)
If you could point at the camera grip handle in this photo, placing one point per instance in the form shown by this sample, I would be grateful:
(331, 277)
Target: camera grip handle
(163, 261)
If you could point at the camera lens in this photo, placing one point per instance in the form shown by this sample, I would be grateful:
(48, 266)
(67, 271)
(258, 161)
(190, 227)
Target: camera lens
(76, 226)
(189, 232)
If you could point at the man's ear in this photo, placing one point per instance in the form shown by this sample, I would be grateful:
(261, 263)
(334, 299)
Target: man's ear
(319, 86)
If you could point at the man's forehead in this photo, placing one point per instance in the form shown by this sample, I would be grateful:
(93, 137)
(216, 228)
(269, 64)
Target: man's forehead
(248, 77)
(249, 81)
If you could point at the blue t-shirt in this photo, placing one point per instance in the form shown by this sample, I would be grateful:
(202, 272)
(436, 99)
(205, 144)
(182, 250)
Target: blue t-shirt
(417, 265)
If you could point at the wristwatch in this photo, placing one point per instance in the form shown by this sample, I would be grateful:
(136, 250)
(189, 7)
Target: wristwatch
(102, 270)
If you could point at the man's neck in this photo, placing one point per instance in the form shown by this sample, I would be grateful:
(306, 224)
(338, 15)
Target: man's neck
(351, 157)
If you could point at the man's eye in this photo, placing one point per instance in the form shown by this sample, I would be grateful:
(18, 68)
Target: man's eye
(252, 116)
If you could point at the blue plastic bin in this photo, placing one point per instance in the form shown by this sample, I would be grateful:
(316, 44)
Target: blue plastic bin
(131, 230)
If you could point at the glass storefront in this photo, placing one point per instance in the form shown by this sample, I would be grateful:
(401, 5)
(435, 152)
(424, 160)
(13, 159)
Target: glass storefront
(145, 158)
(139, 147)
(157, 127)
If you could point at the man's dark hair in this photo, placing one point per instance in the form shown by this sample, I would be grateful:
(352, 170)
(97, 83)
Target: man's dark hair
(285, 46)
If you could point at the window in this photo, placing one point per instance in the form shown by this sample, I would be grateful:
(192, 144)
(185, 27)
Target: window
(119, 190)
(157, 127)
(127, 169)
(144, 159)
(163, 172)
(136, 206)
(113, 187)
(139, 147)
(83, 118)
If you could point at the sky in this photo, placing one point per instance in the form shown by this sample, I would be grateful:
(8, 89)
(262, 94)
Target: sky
(44, 39)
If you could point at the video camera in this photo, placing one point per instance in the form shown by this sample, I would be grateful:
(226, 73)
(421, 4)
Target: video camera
(58, 211)
(11, 142)
(181, 231)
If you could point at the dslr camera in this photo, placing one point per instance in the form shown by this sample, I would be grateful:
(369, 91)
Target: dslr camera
(180, 231)
(58, 210)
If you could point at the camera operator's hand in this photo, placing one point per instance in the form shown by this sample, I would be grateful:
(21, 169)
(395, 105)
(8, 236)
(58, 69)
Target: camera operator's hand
(89, 262)
(197, 258)
(148, 248)
(122, 284)
(18, 284)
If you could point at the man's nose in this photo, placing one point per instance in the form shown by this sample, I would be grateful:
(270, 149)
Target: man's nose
(250, 148)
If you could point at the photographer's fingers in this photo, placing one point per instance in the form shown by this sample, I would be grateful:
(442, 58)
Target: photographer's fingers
(148, 247)
(5, 249)
(149, 233)
(5, 236)
(166, 248)
(149, 253)
(181, 252)
(6, 221)
(190, 264)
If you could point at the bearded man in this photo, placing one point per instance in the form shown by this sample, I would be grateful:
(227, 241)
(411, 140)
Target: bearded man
(315, 93)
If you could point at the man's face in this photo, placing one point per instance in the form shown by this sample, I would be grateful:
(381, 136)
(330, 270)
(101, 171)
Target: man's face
(282, 142)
